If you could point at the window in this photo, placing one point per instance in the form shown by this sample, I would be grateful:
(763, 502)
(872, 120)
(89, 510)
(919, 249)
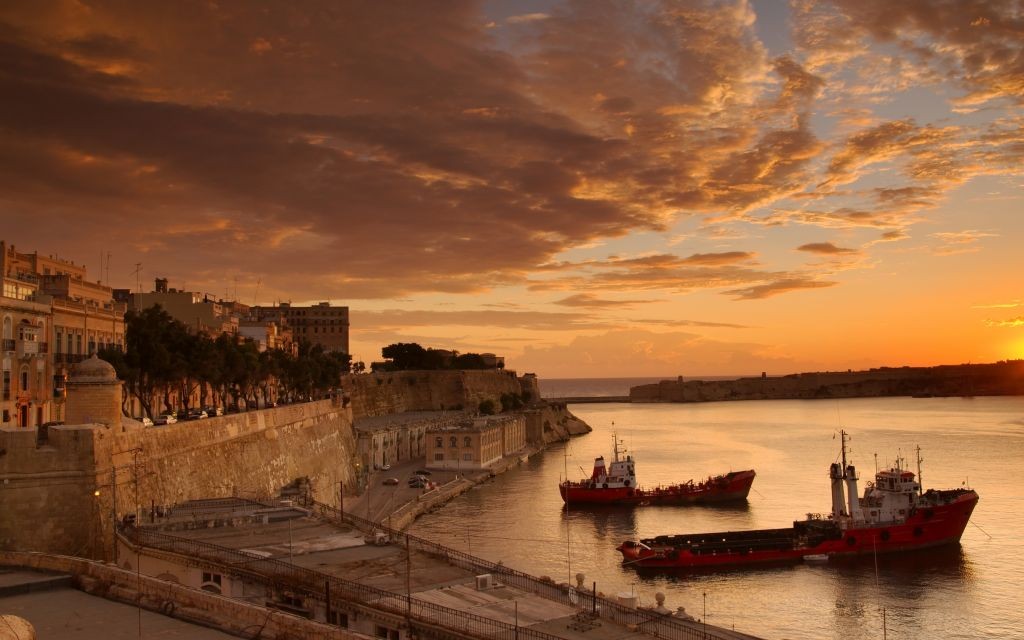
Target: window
(7, 388)
(78, 343)
(7, 415)
(438, 442)
(454, 441)
(24, 379)
(338, 619)
(467, 441)
(468, 457)
(439, 456)
(58, 342)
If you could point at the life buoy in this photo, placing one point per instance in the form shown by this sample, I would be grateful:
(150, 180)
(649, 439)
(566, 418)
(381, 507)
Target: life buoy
(605, 485)
(626, 483)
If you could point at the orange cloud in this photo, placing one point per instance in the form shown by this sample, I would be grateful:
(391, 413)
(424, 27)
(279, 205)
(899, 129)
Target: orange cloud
(825, 248)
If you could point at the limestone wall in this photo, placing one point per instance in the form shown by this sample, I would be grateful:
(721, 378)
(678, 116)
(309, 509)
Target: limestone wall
(552, 422)
(48, 499)
(378, 394)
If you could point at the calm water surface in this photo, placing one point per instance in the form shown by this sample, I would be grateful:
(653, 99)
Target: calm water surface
(969, 591)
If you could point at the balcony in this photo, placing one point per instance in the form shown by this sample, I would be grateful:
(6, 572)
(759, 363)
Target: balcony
(28, 349)
(8, 344)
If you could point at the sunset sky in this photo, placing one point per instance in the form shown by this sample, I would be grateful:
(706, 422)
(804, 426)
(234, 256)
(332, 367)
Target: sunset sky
(592, 189)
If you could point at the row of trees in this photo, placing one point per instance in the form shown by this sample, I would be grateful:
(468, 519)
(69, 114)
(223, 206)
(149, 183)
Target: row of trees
(163, 360)
(409, 356)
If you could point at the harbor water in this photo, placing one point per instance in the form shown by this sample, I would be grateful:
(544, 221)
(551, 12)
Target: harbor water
(965, 591)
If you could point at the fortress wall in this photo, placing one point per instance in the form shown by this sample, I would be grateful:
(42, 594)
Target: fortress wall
(378, 394)
(250, 454)
(47, 493)
(47, 499)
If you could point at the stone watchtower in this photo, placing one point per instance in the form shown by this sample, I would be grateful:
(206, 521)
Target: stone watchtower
(94, 394)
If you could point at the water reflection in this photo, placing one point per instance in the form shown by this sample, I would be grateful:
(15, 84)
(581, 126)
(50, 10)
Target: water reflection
(964, 592)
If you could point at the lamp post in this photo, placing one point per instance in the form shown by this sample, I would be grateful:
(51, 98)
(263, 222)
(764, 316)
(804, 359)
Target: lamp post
(705, 616)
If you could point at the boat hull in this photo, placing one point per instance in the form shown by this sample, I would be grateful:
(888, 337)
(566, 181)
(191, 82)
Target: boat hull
(731, 487)
(925, 528)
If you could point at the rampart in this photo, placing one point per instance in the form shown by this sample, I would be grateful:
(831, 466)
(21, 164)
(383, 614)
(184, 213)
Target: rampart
(378, 394)
(63, 495)
(61, 490)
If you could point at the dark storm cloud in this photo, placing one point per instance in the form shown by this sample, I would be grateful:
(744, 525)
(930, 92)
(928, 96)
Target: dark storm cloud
(378, 149)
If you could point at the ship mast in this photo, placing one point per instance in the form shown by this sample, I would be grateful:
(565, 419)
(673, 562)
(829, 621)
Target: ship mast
(920, 483)
(843, 437)
(615, 442)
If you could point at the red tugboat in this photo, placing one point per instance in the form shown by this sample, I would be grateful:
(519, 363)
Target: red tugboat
(893, 515)
(617, 486)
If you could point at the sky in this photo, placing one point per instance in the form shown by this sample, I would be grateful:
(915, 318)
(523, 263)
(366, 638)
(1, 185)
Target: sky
(591, 189)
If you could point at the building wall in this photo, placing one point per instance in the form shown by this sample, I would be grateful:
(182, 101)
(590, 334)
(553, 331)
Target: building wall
(320, 324)
(470, 446)
(26, 382)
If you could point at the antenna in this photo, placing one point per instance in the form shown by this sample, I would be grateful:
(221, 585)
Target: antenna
(255, 296)
(138, 277)
(107, 278)
(234, 295)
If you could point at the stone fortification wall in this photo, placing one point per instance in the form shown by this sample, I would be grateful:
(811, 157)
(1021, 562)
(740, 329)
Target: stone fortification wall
(1004, 378)
(552, 422)
(48, 497)
(378, 394)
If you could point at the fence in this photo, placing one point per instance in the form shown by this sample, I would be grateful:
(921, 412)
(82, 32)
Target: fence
(660, 625)
(421, 616)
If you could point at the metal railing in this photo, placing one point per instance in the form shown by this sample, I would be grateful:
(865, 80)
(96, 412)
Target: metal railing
(651, 622)
(315, 585)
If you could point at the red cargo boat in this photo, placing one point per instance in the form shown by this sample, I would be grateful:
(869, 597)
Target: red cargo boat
(617, 486)
(893, 515)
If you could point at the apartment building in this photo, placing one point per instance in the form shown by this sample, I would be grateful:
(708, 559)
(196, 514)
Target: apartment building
(53, 317)
(320, 324)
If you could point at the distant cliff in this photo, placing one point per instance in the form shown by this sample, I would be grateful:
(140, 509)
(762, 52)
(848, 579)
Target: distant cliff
(1001, 378)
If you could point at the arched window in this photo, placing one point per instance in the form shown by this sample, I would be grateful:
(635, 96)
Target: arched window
(8, 328)
(467, 441)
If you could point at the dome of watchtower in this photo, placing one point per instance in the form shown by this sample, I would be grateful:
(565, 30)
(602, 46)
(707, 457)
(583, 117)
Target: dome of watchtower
(94, 394)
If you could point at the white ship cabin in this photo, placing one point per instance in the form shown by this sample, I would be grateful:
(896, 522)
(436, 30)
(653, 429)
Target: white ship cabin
(621, 474)
(891, 497)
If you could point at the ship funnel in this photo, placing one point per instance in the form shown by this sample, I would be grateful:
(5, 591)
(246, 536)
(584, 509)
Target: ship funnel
(851, 492)
(835, 472)
(599, 470)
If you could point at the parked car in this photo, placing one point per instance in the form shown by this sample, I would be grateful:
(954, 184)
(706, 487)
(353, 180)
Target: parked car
(196, 414)
(390, 481)
(422, 472)
(166, 418)
(416, 482)
(146, 422)
(386, 467)
(213, 411)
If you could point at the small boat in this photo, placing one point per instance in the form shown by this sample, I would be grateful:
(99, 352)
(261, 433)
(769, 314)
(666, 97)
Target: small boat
(617, 485)
(816, 558)
(894, 515)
